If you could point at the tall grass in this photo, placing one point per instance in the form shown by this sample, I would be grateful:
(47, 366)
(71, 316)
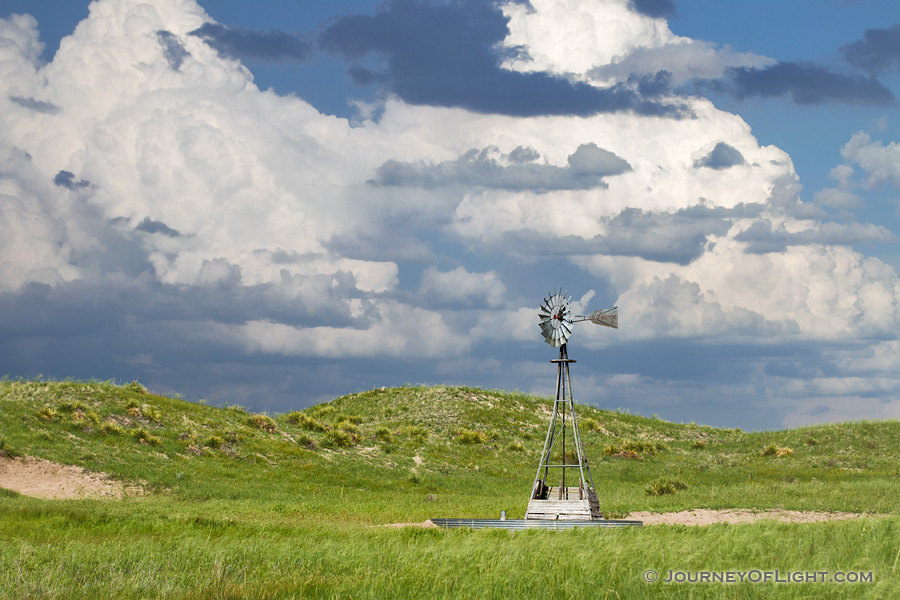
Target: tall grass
(258, 506)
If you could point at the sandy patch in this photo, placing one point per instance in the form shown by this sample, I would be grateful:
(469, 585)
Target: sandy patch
(427, 525)
(44, 479)
(703, 516)
(734, 516)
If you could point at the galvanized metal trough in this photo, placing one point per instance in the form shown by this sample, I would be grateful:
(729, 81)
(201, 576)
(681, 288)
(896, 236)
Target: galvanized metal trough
(522, 524)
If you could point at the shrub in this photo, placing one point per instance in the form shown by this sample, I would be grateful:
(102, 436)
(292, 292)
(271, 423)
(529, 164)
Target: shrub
(590, 424)
(347, 425)
(47, 413)
(699, 444)
(414, 433)
(71, 406)
(112, 427)
(214, 441)
(151, 413)
(384, 434)
(263, 422)
(775, 450)
(306, 441)
(134, 386)
(145, 437)
(622, 452)
(6, 451)
(336, 438)
(304, 421)
(659, 487)
(470, 436)
(516, 446)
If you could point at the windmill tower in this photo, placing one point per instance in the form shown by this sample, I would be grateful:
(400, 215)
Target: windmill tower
(563, 460)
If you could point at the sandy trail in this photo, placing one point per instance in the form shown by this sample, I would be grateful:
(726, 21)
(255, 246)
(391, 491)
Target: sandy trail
(45, 479)
(734, 516)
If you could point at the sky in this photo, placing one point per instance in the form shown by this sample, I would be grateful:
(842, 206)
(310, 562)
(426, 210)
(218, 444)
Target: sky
(273, 204)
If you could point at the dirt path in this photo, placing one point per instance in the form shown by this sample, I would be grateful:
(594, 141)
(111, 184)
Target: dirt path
(44, 479)
(704, 516)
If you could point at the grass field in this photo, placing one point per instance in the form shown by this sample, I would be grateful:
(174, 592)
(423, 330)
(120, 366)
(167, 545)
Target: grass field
(243, 505)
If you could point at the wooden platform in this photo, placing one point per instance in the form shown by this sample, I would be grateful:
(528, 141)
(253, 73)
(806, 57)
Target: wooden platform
(570, 508)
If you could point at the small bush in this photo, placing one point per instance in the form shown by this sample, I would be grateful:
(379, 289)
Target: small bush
(145, 437)
(383, 434)
(622, 452)
(48, 414)
(151, 413)
(336, 438)
(414, 434)
(777, 451)
(6, 451)
(112, 427)
(659, 487)
(263, 422)
(71, 406)
(699, 445)
(304, 421)
(214, 441)
(590, 424)
(348, 426)
(134, 386)
(306, 442)
(470, 436)
(516, 446)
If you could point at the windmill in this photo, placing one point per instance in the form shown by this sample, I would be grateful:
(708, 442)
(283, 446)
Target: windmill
(563, 454)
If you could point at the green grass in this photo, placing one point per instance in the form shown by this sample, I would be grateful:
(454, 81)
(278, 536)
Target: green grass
(245, 505)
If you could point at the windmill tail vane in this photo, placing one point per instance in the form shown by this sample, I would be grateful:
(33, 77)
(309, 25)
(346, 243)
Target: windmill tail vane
(608, 317)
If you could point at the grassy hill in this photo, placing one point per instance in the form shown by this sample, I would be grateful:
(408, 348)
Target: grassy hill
(252, 505)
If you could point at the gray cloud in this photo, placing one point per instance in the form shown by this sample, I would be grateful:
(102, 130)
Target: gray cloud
(653, 8)
(762, 237)
(36, 105)
(234, 42)
(806, 83)
(518, 170)
(678, 237)
(723, 156)
(66, 179)
(877, 52)
(148, 225)
(447, 54)
(173, 49)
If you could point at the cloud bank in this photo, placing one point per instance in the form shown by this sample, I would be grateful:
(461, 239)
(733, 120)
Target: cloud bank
(162, 217)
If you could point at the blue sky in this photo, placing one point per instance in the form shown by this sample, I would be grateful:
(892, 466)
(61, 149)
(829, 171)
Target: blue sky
(278, 203)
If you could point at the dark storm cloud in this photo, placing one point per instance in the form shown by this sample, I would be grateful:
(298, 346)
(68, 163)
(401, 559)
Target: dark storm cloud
(173, 49)
(723, 156)
(677, 237)
(66, 179)
(235, 42)
(656, 9)
(806, 83)
(877, 52)
(762, 237)
(36, 105)
(485, 168)
(448, 55)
